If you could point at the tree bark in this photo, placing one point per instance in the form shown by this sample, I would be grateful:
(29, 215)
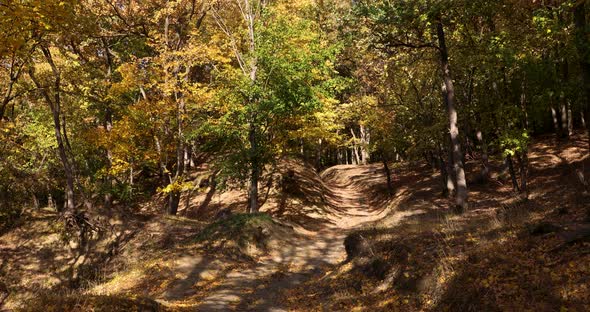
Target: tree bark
(555, 122)
(390, 188)
(451, 176)
(582, 34)
(357, 157)
(108, 124)
(449, 98)
(523, 163)
(485, 166)
(318, 156)
(364, 144)
(174, 196)
(510, 165)
(254, 171)
(570, 119)
(564, 100)
(446, 185)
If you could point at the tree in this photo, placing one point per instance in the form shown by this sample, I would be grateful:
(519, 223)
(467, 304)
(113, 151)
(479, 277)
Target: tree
(284, 71)
(582, 37)
(449, 96)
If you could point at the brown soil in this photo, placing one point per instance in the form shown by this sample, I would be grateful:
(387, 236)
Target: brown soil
(423, 257)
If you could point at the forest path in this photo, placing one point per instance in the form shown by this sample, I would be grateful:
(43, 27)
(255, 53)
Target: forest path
(259, 288)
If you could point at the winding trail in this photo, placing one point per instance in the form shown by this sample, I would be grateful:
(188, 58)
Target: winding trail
(259, 288)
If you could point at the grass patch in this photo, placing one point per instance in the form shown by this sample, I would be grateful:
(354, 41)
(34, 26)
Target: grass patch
(234, 226)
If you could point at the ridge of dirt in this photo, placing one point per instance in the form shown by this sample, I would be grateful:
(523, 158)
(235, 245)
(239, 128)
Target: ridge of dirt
(260, 287)
(154, 256)
(426, 258)
(422, 255)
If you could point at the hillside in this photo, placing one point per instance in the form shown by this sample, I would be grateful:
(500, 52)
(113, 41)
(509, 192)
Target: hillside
(414, 253)
(182, 262)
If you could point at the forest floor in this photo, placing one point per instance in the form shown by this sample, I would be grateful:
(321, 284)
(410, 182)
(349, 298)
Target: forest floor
(421, 256)
(259, 288)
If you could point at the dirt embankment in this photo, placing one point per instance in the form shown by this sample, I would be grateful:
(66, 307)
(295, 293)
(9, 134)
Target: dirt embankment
(186, 261)
(504, 254)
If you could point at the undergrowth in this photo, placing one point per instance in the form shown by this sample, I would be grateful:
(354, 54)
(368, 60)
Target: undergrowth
(233, 227)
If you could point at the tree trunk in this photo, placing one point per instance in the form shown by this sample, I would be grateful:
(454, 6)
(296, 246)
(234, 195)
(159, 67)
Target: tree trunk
(555, 122)
(187, 156)
(174, 196)
(432, 160)
(582, 34)
(364, 144)
(449, 98)
(564, 100)
(564, 123)
(444, 174)
(570, 119)
(254, 170)
(450, 175)
(318, 156)
(357, 157)
(108, 127)
(108, 123)
(173, 201)
(523, 163)
(55, 106)
(390, 188)
(485, 166)
(14, 74)
(512, 173)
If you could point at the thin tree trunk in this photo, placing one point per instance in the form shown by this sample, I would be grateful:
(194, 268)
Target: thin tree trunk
(364, 144)
(570, 119)
(523, 163)
(555, 122)
(131, 182)
(188, 159)
(301, 149)
(449, 97)
(510, 166)
(582, 39)
(564, 123)
(318, 156)
(523, 106)
(254, 171)
(108, 124)
(485, 166)
(357, 157)
(174, 196)
(14, 74)
(390, 189)
(432, 160)
(55, 106)
(564, 101)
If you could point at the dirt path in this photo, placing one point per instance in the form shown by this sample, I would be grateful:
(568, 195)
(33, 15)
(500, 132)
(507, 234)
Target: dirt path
(259, 288)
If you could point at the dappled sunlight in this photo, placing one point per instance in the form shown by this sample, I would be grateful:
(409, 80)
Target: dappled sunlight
(484, 259)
